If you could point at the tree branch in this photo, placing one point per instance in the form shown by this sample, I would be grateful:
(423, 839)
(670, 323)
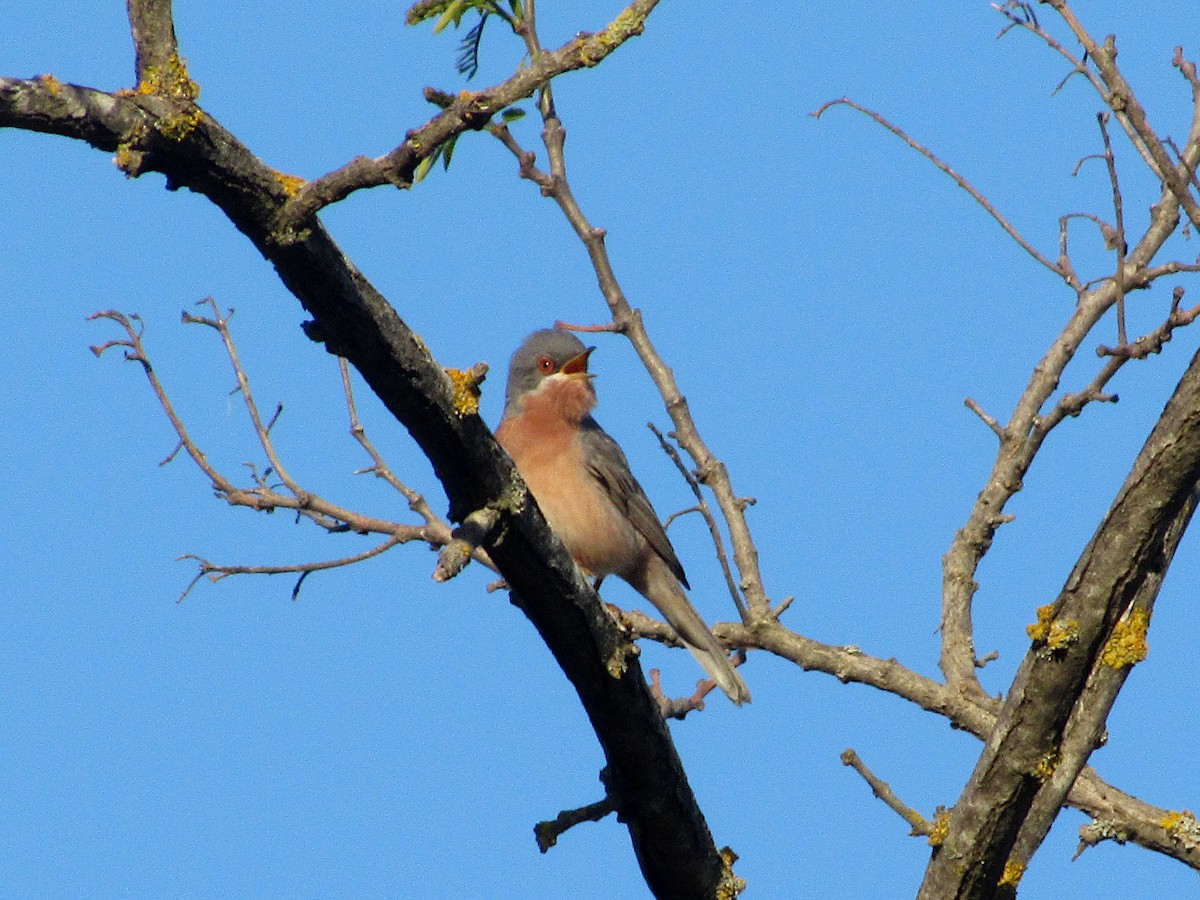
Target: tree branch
(1125, 560)
(646, 778)
(468, 111)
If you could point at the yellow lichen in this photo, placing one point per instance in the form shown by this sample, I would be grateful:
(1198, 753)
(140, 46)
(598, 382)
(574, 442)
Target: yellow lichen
(1127, 646)
(466, 392)
(1046, 765)
(291, 183)
(127, 159)
(618, 662)
(731, 885)
(1183, 827)
(1055, 635)
(170, 79)
(941, 828)
(1012, 874)
(53, 85)
(176, 128)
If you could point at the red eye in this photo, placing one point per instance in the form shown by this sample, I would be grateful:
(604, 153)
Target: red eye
(546, 365)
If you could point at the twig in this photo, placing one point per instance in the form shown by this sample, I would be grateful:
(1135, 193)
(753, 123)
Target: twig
(1120, 97)
(221, 325)
(1118, 240)
(679, 708)
(882, 790)
(702, 508)
(1080, 67)
(263, 497)
(602, 328)
(416, 501)
(627, 320)
(215, 573)
(958, 179)
(465, 542)
(548, 833)
(468, 111)
(988, 420)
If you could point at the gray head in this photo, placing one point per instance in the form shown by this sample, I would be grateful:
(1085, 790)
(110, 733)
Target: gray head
(543, 353)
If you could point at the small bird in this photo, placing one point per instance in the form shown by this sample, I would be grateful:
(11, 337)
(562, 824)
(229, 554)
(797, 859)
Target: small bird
(582, 483)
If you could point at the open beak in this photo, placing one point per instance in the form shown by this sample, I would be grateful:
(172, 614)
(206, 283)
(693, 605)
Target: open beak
(577, 365)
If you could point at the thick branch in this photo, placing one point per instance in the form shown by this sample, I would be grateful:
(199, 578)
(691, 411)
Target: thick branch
(646, 779)
(1125, 559)
(1149, 826)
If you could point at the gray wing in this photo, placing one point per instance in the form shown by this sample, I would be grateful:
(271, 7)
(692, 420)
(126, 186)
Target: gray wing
(607, 462)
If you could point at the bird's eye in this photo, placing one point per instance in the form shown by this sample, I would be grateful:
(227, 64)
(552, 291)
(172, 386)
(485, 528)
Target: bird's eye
(545, 365)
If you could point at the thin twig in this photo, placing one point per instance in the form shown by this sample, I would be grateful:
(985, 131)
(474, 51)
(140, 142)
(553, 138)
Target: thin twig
(679, 708)
(997, 429)
(214, 572)
(713, 531)
(627, 320)
(1118, 240)
(882, 790)
(958, 179)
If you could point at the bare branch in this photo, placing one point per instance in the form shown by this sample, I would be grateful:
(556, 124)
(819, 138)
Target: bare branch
(548, 833)
(465, 542)
(988, 420)
(214, 572)
(958, 179)
(1120, 97)
(679, 708)
(1117, 241)
(153, 28)
(881, 789)
(713, 531)
(627, 321)
(1124, 561)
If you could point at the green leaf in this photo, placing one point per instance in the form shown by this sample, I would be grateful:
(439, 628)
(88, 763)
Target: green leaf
(454, 13)
(448, 151)
(425, 165)
(512, 114)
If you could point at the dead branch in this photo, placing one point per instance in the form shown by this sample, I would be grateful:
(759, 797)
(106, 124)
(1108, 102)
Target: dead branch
(976, 195)
(881, 789)
(547, 833)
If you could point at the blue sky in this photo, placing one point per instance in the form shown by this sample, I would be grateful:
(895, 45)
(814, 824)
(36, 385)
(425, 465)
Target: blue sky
(826, 299)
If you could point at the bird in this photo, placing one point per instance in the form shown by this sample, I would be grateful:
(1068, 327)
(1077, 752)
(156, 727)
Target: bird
(583, 485)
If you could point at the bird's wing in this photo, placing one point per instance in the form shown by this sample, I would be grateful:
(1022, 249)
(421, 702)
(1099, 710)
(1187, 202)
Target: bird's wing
(606, 461)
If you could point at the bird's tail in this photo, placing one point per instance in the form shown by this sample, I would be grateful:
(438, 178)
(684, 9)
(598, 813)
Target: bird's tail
(662, 589)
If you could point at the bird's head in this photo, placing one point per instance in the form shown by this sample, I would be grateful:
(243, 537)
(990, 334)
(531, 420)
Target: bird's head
(550, 367)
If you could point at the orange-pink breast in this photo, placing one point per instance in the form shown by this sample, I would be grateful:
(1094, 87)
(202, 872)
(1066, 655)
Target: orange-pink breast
(549, 457)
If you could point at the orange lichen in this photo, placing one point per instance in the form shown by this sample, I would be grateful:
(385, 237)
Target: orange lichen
(1046, 765)
(1127, 646)
(171, 79)
(176, 128)
(291, 183)
(466, 391)
(731, 885)
(1054, 634)
(1013, 871)
(53, 85)
(941, 828)
(1183, 827)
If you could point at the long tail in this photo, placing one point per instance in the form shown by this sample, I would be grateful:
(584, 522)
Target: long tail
(662, 588)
